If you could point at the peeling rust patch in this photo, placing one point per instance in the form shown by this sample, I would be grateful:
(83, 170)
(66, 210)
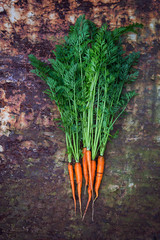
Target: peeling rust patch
(20, 111)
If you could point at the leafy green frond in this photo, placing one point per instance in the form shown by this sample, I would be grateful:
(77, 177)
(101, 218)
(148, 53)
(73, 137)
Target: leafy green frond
(41, 68)
(87, 79)
(117, 32)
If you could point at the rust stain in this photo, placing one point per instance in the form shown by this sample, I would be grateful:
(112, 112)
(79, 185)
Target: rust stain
(17, 114)
(32, 22)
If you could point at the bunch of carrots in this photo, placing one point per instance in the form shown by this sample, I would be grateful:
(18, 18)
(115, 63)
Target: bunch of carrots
(87, 79)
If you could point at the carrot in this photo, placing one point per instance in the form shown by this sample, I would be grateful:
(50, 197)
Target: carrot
(99, 175)
(88, 158)
(85, 167)
(90, 186)
(71, 175)
(78, 172)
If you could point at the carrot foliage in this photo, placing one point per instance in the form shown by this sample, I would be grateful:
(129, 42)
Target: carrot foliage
(88, 78)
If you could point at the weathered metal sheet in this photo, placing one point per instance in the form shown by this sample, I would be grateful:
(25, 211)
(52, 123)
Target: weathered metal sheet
(36, 201)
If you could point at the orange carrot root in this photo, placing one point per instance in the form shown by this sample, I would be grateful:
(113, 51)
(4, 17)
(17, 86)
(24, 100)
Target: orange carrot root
(89, 199)
(78, 172)
(99, 175)
(85, 167)
(71, 175)
(90, 192)
(88, 158)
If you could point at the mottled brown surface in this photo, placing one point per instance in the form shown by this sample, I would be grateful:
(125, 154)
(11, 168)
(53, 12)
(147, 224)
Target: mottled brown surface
(35, 196)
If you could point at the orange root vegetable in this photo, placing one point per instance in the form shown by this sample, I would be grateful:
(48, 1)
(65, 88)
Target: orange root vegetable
(93, 170)
(93, 164)
(71, 175)
(99, 175)
(89, 199)
(88, 158)
(78, 172)
(85, 167)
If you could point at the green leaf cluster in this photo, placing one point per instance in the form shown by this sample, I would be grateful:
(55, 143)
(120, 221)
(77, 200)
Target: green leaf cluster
(87, 79)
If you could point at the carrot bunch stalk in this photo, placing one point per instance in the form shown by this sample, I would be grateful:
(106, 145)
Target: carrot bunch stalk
(86, 80)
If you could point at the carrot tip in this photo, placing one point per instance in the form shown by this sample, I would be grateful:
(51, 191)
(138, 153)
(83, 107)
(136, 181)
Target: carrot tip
(95, 198)
(85, 210)
(81, 212)
(85, 189)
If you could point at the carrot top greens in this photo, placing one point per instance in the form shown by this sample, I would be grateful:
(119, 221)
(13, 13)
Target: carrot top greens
(87, 79)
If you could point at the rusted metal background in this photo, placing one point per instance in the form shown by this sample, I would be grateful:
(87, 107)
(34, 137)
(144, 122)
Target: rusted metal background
(35, 196)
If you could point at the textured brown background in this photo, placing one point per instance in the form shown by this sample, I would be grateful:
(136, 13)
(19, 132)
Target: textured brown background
(35, 196)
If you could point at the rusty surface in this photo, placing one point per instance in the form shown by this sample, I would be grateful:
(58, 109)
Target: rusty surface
(35, 196)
